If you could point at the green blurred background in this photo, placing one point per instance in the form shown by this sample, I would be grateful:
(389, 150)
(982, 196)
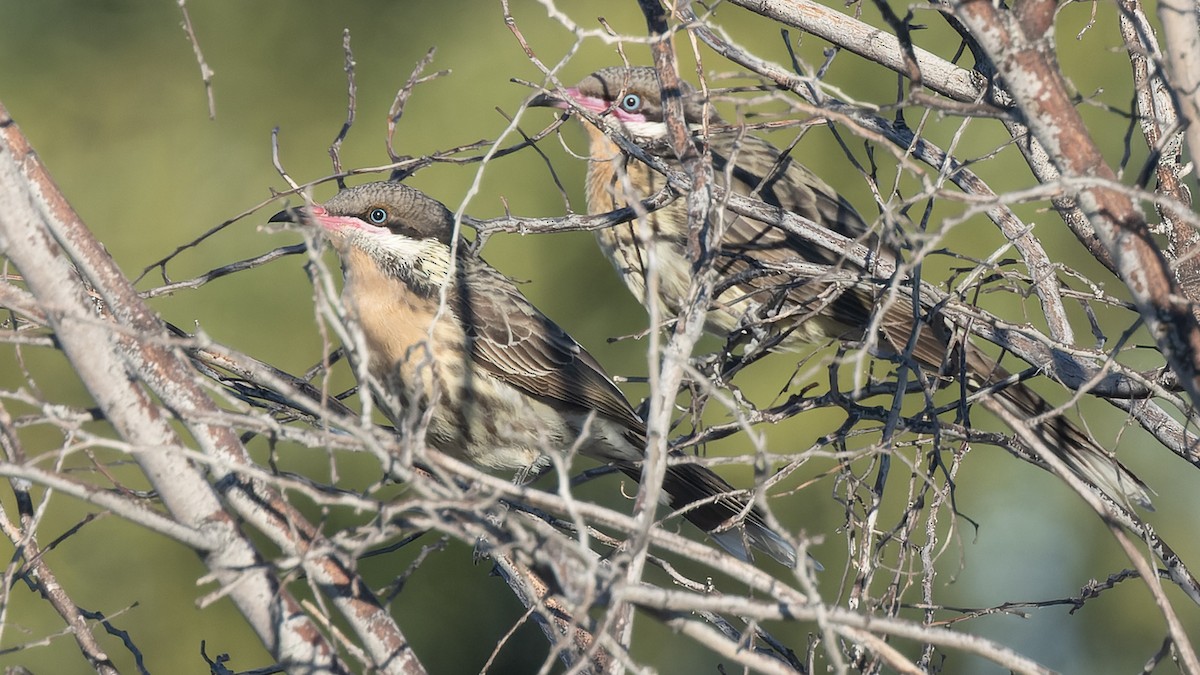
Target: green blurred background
(110, 95)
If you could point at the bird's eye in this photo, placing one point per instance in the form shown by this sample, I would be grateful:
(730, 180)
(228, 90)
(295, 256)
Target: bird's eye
(631, 103)
(377, 216)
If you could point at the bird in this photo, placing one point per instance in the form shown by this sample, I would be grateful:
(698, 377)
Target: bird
(502, 385)
(756, 295)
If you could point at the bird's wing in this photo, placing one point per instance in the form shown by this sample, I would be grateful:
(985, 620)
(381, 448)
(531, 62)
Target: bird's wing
(755, 254)
(793, 187)
(518, 344)
(758, 170)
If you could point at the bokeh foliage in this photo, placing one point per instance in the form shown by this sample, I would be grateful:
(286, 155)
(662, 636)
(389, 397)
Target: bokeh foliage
(109, 93)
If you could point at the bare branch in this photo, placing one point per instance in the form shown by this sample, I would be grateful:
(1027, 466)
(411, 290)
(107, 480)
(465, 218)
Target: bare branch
(206, 73)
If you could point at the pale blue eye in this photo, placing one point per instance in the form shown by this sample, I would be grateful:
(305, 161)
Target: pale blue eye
(631, 103)
(377, 216)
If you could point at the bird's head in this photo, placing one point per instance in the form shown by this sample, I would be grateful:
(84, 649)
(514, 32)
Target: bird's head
(377, 210)
(398, 228)
(632, 98)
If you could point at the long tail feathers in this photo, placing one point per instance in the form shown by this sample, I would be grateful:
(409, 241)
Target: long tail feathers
(721, 517)
(1089, 461)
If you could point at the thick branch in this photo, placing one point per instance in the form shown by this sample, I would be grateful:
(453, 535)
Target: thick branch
(1036, 83)
(45, 239)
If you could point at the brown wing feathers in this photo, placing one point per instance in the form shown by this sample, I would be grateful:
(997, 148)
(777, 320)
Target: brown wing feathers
(526, 349)
(518, 344)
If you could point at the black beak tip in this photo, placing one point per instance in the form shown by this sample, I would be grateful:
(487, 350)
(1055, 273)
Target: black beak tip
(546, 101)
(286, 216)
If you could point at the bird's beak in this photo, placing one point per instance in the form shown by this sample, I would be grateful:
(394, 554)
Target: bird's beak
(298, 214)
(287, 216)
(548, 100)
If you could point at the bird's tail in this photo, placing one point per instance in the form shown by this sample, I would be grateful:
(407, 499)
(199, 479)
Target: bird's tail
(707, 501)
(1074, 447)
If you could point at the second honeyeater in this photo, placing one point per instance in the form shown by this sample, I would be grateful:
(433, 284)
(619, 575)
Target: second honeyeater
(759, 293)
